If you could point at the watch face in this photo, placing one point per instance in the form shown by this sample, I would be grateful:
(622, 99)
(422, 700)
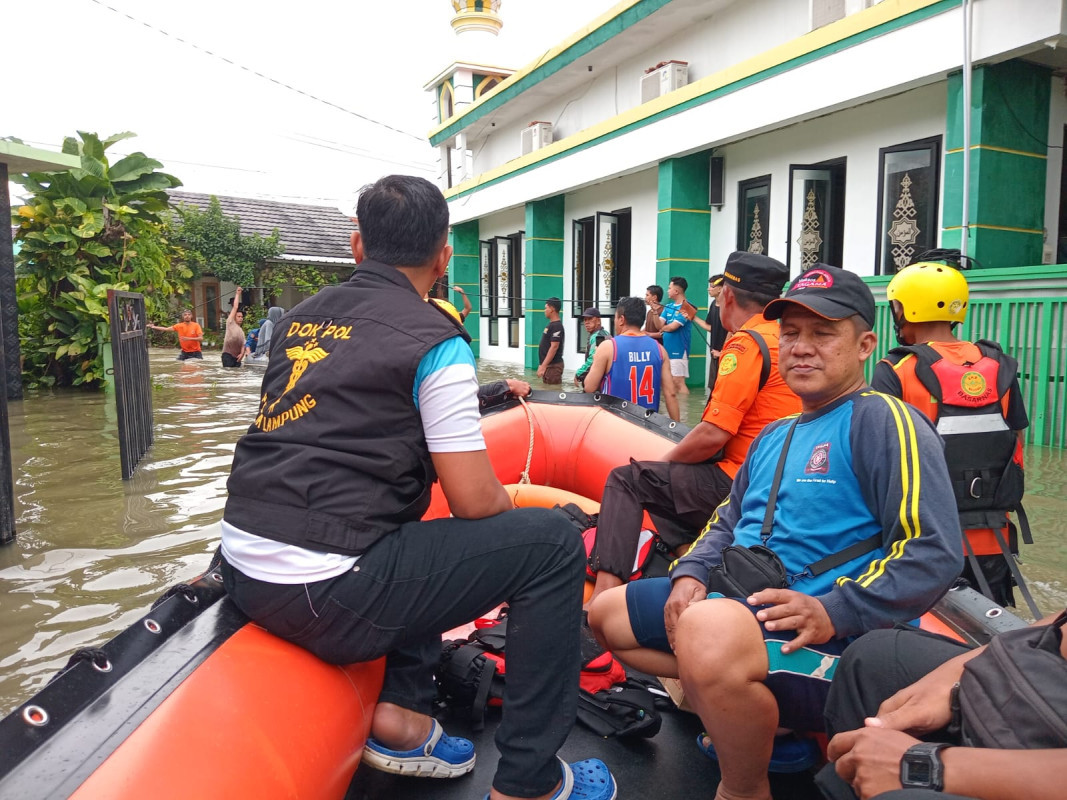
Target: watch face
(919, 772)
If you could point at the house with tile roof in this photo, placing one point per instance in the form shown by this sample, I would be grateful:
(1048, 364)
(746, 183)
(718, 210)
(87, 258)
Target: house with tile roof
(317, 236)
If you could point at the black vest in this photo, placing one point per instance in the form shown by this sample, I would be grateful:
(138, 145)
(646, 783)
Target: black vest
(979, 445)
(336, 457)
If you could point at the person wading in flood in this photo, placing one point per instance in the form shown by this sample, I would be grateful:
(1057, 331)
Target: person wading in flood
(190, 334)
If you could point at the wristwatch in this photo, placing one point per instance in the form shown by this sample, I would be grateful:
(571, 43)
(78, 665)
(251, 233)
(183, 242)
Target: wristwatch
(921, 767)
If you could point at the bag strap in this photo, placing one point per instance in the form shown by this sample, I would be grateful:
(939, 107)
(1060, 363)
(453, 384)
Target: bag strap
(765, 370)
(768, 517)
(854, 550)
(1019, 580)
(834, 559)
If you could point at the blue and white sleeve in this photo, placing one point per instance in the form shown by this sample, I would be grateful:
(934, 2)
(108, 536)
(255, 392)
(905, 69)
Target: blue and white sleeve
(446, 394)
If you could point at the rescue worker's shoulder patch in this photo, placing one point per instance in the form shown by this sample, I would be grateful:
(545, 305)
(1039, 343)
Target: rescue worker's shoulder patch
(728, 363)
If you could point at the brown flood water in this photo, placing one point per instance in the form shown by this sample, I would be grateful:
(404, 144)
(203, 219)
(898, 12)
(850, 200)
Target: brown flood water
(93, 552)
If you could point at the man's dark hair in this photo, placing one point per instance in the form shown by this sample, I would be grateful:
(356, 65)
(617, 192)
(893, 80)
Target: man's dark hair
(680, 282)
(860, 324)
(714, 278)
(656, 291)
(403, 220)
(632, 310)
(555, 302)
(752, 301)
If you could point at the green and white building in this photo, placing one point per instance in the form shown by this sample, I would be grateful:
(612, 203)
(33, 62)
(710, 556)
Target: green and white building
(668, 133)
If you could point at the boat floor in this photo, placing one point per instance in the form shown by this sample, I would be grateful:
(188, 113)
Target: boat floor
(667, 766)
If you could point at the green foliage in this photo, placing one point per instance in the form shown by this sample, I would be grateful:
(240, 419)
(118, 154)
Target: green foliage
(85, 231)
(212, 242)
(305, 278)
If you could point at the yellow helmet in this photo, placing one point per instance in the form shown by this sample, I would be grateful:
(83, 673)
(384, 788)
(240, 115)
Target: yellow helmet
(930, 292)
(448, 308)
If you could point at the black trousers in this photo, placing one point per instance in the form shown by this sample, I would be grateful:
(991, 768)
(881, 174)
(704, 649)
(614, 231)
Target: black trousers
(872, 669)
(429, 577)
(679, 497)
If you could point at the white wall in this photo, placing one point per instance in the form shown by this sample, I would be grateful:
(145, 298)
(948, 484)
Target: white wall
(856, 135)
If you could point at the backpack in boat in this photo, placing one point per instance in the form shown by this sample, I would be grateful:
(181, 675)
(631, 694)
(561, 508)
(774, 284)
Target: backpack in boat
(609, 703)
(471, 672)
(1013, 696)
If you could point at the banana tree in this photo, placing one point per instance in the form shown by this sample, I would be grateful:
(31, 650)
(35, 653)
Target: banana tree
(84, 231)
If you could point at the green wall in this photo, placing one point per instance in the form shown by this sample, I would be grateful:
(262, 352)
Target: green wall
(1009, 125)
(544, 267)
(683, 241)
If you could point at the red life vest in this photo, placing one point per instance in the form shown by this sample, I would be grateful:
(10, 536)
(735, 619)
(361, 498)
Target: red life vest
(979, 446)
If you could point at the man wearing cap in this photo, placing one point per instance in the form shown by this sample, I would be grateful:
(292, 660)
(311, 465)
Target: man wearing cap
(681, 491)
(597, 335)
(854, 500)
(633, 365)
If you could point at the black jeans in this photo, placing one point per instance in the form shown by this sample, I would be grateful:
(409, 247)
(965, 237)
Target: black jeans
(872, 669)
(429, 577)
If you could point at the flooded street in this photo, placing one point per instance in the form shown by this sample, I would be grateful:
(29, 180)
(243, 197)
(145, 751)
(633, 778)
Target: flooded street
(92, 552)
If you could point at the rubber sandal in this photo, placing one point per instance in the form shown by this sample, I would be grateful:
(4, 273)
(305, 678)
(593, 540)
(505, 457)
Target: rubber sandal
(791, 753)
(585, 780)
(439, 756)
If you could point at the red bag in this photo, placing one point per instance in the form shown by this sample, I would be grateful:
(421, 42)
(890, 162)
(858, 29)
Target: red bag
(652, 561)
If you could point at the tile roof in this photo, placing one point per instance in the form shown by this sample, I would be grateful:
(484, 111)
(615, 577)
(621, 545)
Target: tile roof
(311, 232)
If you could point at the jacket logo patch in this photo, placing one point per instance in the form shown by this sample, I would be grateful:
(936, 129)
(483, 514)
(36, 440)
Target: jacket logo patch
(973, 384)
(819, 460)
(727, 364)
(302, 356)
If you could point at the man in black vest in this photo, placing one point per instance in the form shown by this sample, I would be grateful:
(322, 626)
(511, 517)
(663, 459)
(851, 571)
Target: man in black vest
(371, 396)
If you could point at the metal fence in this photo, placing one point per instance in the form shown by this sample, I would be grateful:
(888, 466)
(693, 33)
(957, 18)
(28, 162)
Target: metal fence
(1024, 309)
(133, 380)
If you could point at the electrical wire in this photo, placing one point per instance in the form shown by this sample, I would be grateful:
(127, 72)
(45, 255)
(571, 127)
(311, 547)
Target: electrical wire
(258, 74)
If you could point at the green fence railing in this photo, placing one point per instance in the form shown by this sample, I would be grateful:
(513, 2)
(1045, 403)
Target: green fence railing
(1024, 309)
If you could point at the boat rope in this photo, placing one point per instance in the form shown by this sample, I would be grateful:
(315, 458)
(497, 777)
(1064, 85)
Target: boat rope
(525, 476)
(96, 656)
(184, 589)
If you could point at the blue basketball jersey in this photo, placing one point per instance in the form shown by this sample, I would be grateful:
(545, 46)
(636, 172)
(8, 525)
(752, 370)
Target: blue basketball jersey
(635, 372)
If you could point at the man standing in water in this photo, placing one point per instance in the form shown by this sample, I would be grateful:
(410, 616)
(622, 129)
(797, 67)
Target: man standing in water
(550, 350)
(233, 344)
(322, 524)
(633, 365)
(190, 334)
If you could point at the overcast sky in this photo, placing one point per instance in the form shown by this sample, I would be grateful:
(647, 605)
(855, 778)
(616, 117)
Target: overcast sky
(86, 65)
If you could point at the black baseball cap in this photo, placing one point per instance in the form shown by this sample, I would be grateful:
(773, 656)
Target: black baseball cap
(591, 312)
(830, 292)
(755, 273)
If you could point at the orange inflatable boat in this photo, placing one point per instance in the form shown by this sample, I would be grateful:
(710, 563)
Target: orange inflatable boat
(186, 702)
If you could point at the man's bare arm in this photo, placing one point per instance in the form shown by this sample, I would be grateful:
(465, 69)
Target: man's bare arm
(470, 485)
(600, 367)
(700, 444)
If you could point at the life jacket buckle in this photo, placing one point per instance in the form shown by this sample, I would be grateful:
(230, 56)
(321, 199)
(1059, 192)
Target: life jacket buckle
(976, 488)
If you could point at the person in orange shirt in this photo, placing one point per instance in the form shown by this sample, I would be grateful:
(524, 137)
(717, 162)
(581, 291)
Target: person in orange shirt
(681, 491)
(190, 334)
(971, 392)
